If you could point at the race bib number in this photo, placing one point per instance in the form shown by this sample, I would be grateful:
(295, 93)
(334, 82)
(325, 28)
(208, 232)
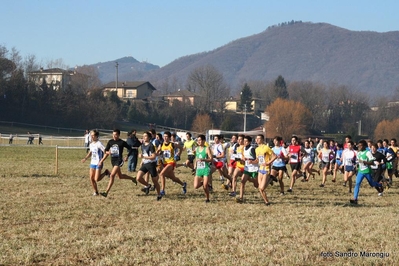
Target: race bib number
(114, 151)
(362, 166)
(294, 158)
(326, 158)
(261, 159)
(200, 165)
(375, 165)
(189, 151)
(349, 162)
(166, 154)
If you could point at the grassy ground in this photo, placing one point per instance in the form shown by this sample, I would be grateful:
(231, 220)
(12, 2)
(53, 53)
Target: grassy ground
(53, 219)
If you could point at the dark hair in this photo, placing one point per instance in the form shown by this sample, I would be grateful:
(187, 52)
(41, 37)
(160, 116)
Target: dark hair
(393, 139)
(351, 142)
(159, 135)
(167, 133)
(153, 132)
(249, 138)
(363, 142)
(148, 134)
(201, 136)
(240, 136)
(261, 136)
(217, 136)
(348, 136)
(278, 138)
(188, 133)
(117, 131)
(374, 145)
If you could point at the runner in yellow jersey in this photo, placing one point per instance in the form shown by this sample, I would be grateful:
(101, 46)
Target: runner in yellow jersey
(189, 146)
(264, 157)
(167, 150)
(239, 170)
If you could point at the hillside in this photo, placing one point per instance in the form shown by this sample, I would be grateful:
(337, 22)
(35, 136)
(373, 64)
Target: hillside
(129, 69)
(366, 61)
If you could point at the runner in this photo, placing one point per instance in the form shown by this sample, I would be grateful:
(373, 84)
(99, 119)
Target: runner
(264, 157)
(148, 165)
(294, 154)
(96, 152)
(349, 161)
(250, 168)
(308, 161)
(203, 157)
(232, 161)
(167, 149)
(279, 165)
(365, 159)
(239, 170)
(377, 167)
(219, 159)
(325, 158)
(115, 149)
(189, 146)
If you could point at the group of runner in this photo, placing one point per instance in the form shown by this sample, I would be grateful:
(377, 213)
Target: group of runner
(258, 164)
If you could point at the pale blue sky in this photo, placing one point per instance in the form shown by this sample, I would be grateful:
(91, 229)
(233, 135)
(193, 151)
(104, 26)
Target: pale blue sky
(91, 31)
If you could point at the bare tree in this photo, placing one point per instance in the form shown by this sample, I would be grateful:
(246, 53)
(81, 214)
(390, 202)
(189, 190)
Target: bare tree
(209, 83)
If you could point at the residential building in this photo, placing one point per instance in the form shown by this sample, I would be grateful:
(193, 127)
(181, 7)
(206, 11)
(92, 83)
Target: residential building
(185, 96)
(130, 89)
(58, 79)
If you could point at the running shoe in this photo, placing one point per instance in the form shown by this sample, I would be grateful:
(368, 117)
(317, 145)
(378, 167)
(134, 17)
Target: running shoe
(321, 185)
(162, 193)
(210, 188)
(239, 200)
(380, 194)
(207, 201)
(152, 188)
(282, 193)
(267, 203)
(147, 189)
(232, 194)
(107, 173)
(95, 194)
(104, 194)
(134, 180)
(224, 186)
(184, 187)
(353, 201)
(159, 197)
(289, 190)
(143, 189)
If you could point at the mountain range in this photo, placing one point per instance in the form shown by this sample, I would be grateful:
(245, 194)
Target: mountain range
(302, 51)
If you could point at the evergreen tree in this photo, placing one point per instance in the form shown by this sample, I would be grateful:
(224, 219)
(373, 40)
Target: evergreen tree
(280, 88)
(246, 97)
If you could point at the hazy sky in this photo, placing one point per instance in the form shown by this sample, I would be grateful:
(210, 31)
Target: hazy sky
(91, 31)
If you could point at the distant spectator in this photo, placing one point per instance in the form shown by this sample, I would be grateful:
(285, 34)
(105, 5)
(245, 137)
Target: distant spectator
(30, 138)
(87, 137)
(40, 139)
(10, 139)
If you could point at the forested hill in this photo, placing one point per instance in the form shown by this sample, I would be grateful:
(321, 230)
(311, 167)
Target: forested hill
(363, 60)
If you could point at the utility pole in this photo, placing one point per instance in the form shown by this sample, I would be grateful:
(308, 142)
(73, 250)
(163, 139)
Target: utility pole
(116, 84)
(245, 117)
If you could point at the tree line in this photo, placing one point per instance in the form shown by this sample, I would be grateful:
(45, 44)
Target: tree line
(300, 107)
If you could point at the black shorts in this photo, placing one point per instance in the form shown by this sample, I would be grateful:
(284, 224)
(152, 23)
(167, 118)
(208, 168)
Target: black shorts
(191, 158)
(295, 166)
(324, 165)
(117, 162)
(281, 168)
(149, 167)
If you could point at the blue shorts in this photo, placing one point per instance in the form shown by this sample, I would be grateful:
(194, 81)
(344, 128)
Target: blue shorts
(349, 168)
(263, 172)
(95, 166)
(338, 162)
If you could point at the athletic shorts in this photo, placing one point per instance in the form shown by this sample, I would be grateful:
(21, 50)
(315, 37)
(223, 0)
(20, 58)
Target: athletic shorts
(191, 158)
(96, 166)
(338, 162)
(203, 172)
(149, 167)
(324, 164)
(349, 168)
(232, 163)
(251, 174)
(263, 172)
(218, 164)
(172, 163)
(279, 168)
(117, 162)
(295, 166)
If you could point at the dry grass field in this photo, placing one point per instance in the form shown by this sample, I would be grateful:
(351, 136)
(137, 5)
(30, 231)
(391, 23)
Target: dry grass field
(49, 219)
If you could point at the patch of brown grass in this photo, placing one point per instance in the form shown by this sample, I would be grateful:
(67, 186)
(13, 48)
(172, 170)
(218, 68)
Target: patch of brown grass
(48, 219)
